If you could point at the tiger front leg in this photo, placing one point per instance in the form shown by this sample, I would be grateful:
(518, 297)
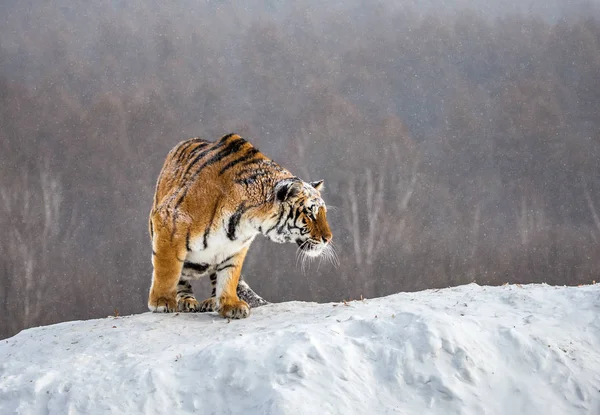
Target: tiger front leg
(210, 304)
(228, 303)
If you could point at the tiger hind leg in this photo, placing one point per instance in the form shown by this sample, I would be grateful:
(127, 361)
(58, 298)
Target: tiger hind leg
(167, 249)
(248, 295)
(186, 302)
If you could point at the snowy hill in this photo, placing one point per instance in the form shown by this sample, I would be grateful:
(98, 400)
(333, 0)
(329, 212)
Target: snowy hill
(467, 350)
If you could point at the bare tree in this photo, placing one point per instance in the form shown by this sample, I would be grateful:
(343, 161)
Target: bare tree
(31, 218)
(404, 176)
(591, 207)
(352, 219)
(530, 217)
(364, 218)
(302, 143)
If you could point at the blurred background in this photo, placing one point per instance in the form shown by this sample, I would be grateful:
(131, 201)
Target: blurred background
(459, 141)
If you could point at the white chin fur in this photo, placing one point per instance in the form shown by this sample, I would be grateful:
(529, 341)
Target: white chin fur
(315, 252)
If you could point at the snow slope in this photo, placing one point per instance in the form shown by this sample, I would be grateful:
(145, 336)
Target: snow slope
(533, 349)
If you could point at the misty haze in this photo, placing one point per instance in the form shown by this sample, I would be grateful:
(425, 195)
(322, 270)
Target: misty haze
(457, 144)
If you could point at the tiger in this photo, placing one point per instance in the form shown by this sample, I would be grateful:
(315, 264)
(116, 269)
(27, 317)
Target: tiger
(211, 200)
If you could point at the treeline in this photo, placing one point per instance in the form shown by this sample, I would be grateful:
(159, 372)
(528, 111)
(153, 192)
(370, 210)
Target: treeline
(454, 148)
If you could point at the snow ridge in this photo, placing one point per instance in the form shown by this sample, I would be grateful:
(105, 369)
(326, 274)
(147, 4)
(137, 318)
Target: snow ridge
(531, 349)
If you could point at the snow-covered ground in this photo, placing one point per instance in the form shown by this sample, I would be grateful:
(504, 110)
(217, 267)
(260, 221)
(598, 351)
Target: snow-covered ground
(529, 350)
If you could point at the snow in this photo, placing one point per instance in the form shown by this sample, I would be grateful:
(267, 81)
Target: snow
(531, 349)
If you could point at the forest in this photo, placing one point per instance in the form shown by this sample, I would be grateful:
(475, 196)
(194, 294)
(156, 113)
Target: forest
(456, 144)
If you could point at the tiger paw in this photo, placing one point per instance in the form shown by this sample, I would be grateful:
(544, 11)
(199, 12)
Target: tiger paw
(188, 305)
(234, 309)
(208, 305)
(162, 304)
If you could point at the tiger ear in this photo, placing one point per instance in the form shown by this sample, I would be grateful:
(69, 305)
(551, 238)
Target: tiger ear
(286, 189)
(318, 185)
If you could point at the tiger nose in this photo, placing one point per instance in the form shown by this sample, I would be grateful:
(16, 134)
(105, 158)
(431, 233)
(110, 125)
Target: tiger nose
(326, 237)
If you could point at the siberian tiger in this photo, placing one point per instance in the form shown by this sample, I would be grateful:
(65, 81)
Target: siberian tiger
(211, 200)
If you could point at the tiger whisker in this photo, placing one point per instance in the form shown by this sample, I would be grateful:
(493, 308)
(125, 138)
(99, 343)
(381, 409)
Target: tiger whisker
(325, 255)
(297, 256)
(303, 262)
(335, 260)
(332, 208)
(301, 255)
(331, 255)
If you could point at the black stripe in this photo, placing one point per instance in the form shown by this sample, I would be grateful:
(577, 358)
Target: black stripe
(213, 282)
(181, 196)
(289, 216)
(226, 259)
(156, 189)
(188, 144)
(298, 211)
(183, 146)
(268, 166)
(178, 154)
(184, 287)
(267, 162)
(196, 267)
(192, 154)
(225, 267)
(251, 153)
(248, 180)
(153, 252)
(226, 137)
(234, 221)
(151, 230)
(175, 214)
(278, 219)
(212, 218)
(187, 241)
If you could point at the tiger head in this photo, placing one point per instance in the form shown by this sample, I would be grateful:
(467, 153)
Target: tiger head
(299, 215)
